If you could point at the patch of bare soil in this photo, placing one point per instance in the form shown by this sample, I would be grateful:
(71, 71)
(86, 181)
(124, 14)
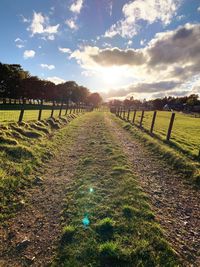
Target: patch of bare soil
(31, 237)
(175, 202)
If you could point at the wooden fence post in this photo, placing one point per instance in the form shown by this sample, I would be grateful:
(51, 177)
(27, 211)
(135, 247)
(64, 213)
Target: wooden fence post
(21, 115)
(61, 107)
(66, 110)
(134, 115)
(118, 113)
(153, 121)
(141, 120)
(52, 111)
(128, 115)
(170, 126)
(40, 114)
(124, 113)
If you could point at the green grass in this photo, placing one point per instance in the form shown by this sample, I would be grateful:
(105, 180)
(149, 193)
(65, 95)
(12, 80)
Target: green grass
(113, 236)
(8, 116)
(24, 149)
(190, 167)
(185, 134)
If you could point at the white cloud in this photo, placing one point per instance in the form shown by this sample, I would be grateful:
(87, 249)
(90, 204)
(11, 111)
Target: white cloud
(64, 50)
(198, 9)
(19, 42)
(40, 25)
(46, 66)
(142, 42)
(51, 37)
(52, 10)
(71, 23)
(110, 7)
(29, 54)
(25, 20)
(19, 45)
(180, 17)
(149, 11)
(76, 6)
(55, 80)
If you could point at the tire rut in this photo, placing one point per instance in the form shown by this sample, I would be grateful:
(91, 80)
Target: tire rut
(175, 203)
(30, 238)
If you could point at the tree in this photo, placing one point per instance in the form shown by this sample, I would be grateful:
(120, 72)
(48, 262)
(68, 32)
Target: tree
(192, 100)
(11, 76)
(94, 99)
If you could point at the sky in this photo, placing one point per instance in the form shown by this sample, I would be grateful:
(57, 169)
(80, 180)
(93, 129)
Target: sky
(140, 48)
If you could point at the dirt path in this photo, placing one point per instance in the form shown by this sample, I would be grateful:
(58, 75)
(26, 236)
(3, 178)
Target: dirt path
(30, 237)
(176, 204)
(38, 225)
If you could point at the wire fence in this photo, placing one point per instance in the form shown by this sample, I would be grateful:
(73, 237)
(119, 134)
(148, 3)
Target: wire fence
(18, 113)
(178, 129)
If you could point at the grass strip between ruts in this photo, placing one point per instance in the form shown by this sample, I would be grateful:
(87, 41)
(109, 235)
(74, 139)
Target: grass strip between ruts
(120, 229)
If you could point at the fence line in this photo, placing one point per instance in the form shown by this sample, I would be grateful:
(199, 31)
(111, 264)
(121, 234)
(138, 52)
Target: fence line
(7, 110)
(121, 112)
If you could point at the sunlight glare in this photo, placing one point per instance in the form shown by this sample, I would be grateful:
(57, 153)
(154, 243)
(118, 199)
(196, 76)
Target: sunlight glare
(112, 75)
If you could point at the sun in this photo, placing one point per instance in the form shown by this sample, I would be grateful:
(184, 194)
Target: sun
(111, 75)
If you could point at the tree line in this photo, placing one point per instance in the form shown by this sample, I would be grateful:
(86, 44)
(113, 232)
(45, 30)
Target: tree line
(16, 83)
(185, 103)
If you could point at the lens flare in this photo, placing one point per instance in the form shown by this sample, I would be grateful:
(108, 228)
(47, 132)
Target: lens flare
(86, 221)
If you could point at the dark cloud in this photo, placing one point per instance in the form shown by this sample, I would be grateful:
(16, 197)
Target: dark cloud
(115, 56)
(144, 88)
(153, 87)
(182, 33)
(179, 46)
(171, 93)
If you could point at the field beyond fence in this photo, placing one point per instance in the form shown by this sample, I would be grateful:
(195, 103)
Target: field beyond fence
(184, 133)
(16, 113)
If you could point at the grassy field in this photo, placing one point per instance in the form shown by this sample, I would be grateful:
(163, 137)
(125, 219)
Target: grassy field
(8, 116)
(186, 129)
